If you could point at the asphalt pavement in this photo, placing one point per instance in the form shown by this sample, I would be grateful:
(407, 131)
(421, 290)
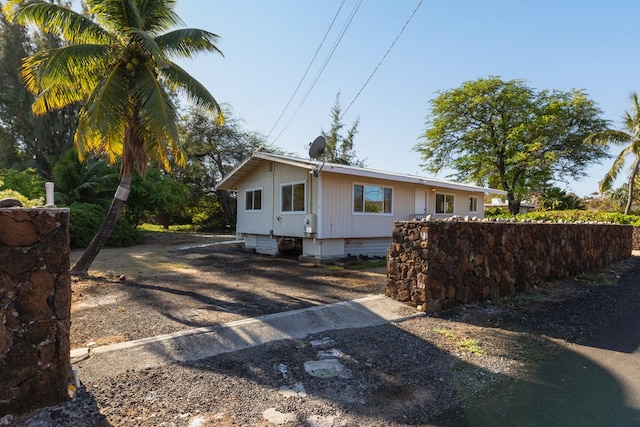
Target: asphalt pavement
(594, 384)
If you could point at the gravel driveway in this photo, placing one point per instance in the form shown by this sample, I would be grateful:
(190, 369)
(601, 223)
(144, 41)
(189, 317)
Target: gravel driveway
(416, 372)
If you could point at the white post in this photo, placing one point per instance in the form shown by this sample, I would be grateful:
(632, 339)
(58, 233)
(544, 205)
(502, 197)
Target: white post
(49, 195)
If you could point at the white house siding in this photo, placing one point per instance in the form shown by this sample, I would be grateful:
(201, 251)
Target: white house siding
(290, 224)
(338, 219)
(266, 245)
(461, 202)
(258, 222)
(270, 220)
(322, 248)
(250, 241)
(368, 247)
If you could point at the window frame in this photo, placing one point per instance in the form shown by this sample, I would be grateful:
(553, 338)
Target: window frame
(473, 199)
(293, 201)
(453, 204)
(253, 190)
(384, 191)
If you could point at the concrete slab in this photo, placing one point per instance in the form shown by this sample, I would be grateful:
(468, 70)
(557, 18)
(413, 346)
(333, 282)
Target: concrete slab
(200, 343)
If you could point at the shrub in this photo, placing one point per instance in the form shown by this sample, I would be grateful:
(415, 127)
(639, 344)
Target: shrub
(26, 182)
(26, 202)
(581, 215)
(85, 220)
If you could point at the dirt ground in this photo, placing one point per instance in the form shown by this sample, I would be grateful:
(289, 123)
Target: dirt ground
(176, 281)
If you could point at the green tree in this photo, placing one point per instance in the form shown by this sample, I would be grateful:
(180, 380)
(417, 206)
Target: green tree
(117, 64)
(619, 137)
(156, 196)
(26, 140)
(13, 47)
(508, 136)
(26, 182)
(618, 198)
(339, 148)
(213, 150)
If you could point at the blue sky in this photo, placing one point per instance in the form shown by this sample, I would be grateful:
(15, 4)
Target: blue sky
(268, 45)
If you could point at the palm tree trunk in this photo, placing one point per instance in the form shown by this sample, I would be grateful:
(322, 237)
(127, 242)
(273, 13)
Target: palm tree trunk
(632, 178)
(81, 267)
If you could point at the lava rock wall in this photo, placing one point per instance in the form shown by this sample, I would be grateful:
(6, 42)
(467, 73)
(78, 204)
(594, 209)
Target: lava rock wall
(636, 238)
(439, 264)
(35, 305)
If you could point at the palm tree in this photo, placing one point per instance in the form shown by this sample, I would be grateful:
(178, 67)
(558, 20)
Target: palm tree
(90, 181)
(557, 199)
(117, 63)
(631, 137)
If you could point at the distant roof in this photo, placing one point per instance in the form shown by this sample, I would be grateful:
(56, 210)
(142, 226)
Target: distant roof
(230, 182)
(499, 203)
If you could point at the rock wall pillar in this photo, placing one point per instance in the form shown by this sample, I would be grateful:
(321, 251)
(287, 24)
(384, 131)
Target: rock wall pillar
(35, 305)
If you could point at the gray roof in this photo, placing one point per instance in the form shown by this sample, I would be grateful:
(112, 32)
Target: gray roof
(230, 182)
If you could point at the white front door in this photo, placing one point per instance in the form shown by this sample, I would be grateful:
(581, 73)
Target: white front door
(421, 203)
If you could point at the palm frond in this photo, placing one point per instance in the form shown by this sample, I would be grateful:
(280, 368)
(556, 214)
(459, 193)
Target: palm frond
(179, 79)
(185, 42)
(158, 15)
(153, 16)
(607, 181)
(105, 116)
(608, 136)
(75, 67)
(158, 118)
(54, 97)
(59, 20)
(114, 14)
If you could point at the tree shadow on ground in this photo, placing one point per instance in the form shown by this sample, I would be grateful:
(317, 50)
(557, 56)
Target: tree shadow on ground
(397, 378)
(393, 376)
(599, 315)
(230, 285)
(390, 377)
(83, 411)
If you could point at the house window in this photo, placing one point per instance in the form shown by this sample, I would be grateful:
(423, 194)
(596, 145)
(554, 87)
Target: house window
(372, 199)
(292, 197)
(253, 200)
(444, 203)
(473, 204)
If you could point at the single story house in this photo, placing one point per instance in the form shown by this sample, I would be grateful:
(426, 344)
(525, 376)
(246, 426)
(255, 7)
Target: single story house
(330, 210)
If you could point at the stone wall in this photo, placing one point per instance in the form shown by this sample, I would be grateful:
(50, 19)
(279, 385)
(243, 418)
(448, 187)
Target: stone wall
(636, 239)
(35, 304)
(439, 264)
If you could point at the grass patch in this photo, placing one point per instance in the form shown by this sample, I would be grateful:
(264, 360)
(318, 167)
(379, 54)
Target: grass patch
(369, 264)
(160, 229)
(447, 333)
(469, 345)
(599, 278)
(340, 266)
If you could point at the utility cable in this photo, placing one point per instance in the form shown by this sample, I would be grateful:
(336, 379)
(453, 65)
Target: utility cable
(383, 58)
(324, 65)
(307, 70)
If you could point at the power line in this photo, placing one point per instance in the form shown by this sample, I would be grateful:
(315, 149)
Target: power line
(307, 70)
(324, 65)
(383, 58)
